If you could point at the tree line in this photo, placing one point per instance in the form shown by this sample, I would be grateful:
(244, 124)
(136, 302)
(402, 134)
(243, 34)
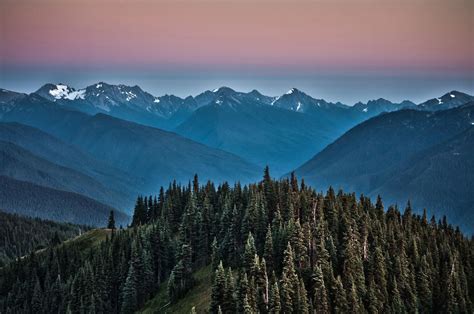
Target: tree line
(275, 247)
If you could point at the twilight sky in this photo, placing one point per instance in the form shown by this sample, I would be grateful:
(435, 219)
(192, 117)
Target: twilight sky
(345, 50)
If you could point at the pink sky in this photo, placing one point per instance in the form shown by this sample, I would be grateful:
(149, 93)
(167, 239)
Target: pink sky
(338, 34)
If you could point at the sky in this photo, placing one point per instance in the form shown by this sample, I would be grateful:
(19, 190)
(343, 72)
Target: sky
(340, 50)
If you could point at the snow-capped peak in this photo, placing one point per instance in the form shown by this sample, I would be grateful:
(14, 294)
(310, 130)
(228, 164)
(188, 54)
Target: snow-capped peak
(224, 90)
(291, 91)
(62, 91)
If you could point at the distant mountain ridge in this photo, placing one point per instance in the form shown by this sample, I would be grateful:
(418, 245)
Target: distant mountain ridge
(422, 156)
(107, 142)
(449, 100)
(155, 155)
(20, 164)
(121, 185)
(248, 130)
(169, 111)
(33, 200)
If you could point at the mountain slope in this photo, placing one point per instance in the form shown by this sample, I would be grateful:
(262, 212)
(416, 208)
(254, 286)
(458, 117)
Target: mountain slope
(439, 178)
(378, 150)
(258, 132)
(29, 199)
(121, 186)
(283, 131)
(157, 156)
(20, 164)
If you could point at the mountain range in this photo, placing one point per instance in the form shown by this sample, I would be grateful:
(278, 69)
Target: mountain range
(253, 114)
(110, 142)
(424, 157)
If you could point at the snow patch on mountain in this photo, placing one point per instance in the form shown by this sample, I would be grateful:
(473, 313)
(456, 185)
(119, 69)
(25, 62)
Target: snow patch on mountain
(65, 92)
(130, 95)
(299, 106)
(275, 100)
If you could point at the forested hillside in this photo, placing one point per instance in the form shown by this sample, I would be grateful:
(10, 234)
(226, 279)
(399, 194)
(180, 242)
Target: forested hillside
(20, 236)
(33, 200)
(275, 246)
(425, 157)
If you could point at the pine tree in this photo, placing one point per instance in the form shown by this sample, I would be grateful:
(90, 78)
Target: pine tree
(268, 249)
(148, 285)
(182, 278)
(247, 308)
(303, 306)
(130, 293)
(339, 303)
(299, 245)
(215, 256)
(218, 289)
(396, 305)
(36, 299)
(289, 281)
(249, 253)
(269, 193)
(424, 286)
(111, 222)
(243, 290)
(274, 302)
(320, 297)
(229, 305)
(379, 270)
(139, 213)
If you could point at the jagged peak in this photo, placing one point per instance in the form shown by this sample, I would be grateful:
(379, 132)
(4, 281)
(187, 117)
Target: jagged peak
(379, 100)
(255, 92)
(293, 90)
(224, 90)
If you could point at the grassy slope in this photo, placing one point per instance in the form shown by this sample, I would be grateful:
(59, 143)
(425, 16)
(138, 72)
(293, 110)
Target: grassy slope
(84, 241)
(89, 239)
(199, 296)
